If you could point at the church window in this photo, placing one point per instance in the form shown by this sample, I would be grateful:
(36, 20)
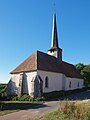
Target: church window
(78, 84)
(46, 82)
(70, 84)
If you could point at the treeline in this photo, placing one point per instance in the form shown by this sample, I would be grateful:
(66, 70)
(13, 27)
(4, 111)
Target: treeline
(85, 72)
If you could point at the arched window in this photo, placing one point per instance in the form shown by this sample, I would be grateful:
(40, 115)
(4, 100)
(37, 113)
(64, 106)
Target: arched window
(70, 84)
(78, 84)
(46, 82)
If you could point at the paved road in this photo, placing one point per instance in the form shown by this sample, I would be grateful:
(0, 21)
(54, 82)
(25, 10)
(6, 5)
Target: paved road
(40, 110)
(31, 114)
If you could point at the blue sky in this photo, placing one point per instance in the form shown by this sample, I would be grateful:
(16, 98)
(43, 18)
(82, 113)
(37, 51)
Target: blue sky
(26, 26)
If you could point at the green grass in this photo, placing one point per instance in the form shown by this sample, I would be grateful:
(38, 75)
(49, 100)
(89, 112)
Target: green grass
(70, 111)
(56, 115)
(7, 112)
(7, 107)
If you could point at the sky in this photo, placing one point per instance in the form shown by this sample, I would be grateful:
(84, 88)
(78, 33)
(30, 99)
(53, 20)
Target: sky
(26, 26)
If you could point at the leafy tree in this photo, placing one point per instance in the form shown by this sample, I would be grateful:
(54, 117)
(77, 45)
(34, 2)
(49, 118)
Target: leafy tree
(3, 91)
(85, 72)
(80, 67)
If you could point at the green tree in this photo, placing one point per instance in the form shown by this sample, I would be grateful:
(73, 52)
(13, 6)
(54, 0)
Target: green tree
(3, 91)
(80, 67)
(86, 74)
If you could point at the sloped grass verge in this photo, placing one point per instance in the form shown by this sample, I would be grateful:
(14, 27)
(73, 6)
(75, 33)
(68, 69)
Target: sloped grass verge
(70, 111)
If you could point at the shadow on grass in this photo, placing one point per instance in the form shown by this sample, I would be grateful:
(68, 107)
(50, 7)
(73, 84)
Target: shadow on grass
(77, 96)
(20, 106)
(39, 106)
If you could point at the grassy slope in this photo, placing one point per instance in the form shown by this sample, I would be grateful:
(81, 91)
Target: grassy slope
(70, 111)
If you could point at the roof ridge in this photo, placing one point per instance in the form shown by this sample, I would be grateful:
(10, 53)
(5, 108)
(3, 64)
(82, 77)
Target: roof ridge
(68, 63)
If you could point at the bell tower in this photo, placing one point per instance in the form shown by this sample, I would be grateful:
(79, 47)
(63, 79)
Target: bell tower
(55, 50)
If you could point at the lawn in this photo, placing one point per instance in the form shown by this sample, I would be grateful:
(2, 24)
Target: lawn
(14, 106)
(70, 111)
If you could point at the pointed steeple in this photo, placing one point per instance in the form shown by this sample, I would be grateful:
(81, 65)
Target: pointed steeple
(54, 33)
(55, 50)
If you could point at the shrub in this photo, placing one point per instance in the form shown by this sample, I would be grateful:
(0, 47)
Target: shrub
(24, 98)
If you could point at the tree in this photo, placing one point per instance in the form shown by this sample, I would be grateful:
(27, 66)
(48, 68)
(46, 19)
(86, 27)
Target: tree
(80, 67)
(3, 91)
(85, 72)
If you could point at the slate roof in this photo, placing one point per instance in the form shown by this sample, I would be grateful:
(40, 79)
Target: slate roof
(45, 62)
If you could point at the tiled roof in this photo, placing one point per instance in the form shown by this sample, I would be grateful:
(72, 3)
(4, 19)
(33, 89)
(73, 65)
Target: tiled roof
(45, 62)
(29, 64)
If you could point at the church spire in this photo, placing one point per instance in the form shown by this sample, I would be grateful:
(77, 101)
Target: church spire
(55, 50)
(54, 33)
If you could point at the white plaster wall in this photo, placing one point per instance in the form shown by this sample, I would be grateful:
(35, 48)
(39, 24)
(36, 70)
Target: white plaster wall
(16, 79)
(63, 82)
(13, 84)
(55, 81)
(74, 83)
(30, 77)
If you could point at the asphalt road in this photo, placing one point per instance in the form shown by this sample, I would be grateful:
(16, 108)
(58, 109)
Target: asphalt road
(40, 110)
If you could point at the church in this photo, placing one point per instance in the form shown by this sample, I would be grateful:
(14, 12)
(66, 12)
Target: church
(45, 72)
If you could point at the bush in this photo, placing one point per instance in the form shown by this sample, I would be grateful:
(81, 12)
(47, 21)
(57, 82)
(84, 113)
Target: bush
(24, 98)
